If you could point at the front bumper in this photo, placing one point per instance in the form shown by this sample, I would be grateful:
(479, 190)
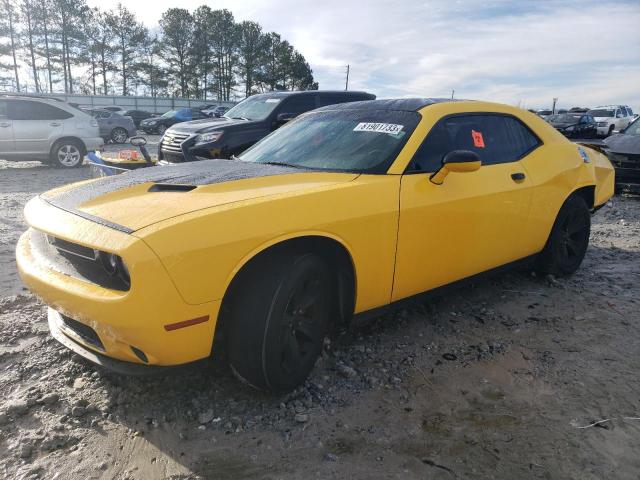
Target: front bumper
(75, 343)
(603, 131)
(124, 321)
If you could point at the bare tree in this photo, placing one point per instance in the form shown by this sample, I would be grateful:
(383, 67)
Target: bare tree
(8, 24)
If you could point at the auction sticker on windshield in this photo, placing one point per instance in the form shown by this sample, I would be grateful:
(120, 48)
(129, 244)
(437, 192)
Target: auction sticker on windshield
(390, 128)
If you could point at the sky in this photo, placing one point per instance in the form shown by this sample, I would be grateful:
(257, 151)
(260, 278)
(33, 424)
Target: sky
(521, 52)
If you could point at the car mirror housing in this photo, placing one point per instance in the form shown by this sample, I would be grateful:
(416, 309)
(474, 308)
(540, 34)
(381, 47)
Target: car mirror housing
(138, 141)
(458, 161)
(285, 117)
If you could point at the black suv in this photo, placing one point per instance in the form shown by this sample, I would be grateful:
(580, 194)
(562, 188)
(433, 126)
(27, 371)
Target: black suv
(246, 123)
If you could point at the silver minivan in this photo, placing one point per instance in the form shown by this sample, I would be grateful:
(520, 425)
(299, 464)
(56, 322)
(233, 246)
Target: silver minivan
(47, 130)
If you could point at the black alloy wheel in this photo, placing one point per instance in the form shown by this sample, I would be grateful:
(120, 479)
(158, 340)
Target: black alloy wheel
(278, 316)
(569, 238)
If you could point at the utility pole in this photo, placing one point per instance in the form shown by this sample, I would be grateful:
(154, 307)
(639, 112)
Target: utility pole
(452, 93)
(346, 84)
(553, 109)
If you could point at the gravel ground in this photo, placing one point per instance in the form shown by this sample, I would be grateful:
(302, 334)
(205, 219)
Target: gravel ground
(505, 378)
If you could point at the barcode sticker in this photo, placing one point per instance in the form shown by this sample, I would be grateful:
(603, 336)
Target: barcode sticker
(390, 128)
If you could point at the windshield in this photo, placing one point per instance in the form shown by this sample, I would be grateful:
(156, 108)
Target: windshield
(544, 112)
(601, 113)
(257, 107)
(345, 140)
(633, 129)
(169, 114)
(563, 118)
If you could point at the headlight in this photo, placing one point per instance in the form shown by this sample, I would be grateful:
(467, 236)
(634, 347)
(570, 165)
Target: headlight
(151, 122)
(115, 267)
(570, 129)
(208, 137)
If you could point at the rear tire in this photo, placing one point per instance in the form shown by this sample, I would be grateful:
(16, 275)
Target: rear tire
(67, 153)
(569, 239)
(278, 318)
(119, 135)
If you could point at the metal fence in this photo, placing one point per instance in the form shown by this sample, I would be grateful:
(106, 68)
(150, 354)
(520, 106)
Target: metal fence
(150, 104)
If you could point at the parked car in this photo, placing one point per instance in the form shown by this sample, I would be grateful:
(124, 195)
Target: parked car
(208, 108)
(244, 124)
(623, 150)
(611, 118)
(161, 123)
(113, 126)
(219, 111)
(138, 116)
(544, 113)
(45, 129)
(574, 125)
(345, 210)
(578, 110)
(113, 108)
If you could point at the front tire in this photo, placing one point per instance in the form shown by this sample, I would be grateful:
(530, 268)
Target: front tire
(67, 154)
(279, 316)
(569, 239)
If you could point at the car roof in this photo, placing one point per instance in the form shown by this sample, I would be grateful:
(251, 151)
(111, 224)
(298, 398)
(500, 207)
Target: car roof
(26, 96)
(315, 92)
(402, 104)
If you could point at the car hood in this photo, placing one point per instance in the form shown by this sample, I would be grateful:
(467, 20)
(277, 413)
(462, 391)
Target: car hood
(625, 144)
(208, 125)
(137, 199)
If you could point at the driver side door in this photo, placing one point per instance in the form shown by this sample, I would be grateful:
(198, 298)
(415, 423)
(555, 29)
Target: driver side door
(474, 221)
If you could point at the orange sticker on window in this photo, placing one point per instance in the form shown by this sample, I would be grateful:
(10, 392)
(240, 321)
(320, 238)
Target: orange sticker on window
(478, 141)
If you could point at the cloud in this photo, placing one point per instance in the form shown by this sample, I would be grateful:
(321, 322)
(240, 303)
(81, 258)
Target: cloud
(583, 51)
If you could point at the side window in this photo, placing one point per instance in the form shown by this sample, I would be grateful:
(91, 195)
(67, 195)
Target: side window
(298, 104)
(495, 138)
(28, 110)
(630, 112)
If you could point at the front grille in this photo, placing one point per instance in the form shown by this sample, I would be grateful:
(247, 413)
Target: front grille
(172, 142)
(85, 332)
(74, 261)
(72, 248)
(626, 161)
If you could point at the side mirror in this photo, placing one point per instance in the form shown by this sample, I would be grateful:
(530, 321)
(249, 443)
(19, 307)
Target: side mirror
(285, 117)
(458, 161)
(138, 141)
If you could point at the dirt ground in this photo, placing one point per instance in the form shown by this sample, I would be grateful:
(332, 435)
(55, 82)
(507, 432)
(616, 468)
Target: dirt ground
(505, 378)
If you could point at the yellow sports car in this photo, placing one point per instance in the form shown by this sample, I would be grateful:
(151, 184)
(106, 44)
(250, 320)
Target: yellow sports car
(347, 209)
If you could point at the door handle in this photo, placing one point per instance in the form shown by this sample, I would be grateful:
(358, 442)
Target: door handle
(4, 125)
(518, 176)
(55, 124)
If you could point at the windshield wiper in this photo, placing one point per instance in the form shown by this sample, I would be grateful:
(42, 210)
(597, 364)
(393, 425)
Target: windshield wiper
(282, 164)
